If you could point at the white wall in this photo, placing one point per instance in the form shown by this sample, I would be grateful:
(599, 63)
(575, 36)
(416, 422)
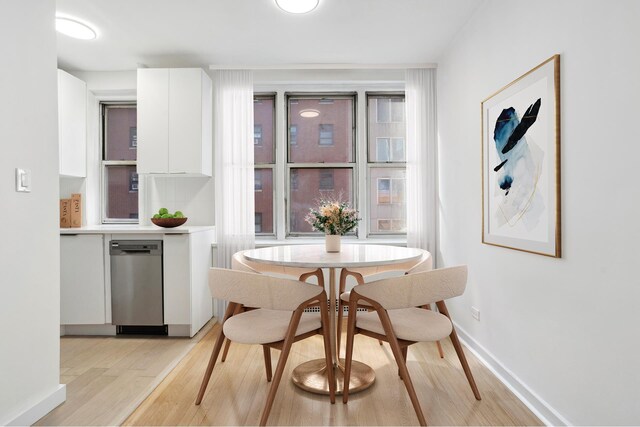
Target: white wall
(563, 331)
(29, 252)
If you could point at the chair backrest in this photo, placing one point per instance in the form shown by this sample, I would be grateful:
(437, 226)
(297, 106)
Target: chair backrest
(240, 263)
(425, 263)
(259, 290)
(416, 289)
(269, 268)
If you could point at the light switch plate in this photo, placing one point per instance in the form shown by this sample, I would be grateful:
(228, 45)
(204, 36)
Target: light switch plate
(23, 180)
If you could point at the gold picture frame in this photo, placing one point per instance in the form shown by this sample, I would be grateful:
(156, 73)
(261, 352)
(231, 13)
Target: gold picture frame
(521, 163)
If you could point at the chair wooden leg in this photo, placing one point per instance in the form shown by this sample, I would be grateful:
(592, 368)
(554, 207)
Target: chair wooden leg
(404, 373)
(214, 354)
(239, 309)
(267, 360)
(351, 329)
(327, 351)
(458, 347)
(440, 352)
(282, 360)
(341, 288)
(227, 344)
(405, 350)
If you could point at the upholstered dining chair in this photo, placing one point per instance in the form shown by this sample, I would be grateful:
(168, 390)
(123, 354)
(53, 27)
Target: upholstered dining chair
(277, 321)
(362, 275)
(398, 320)
(240, 263)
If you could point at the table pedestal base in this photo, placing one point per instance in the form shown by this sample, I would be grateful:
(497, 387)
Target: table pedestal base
(312, 376)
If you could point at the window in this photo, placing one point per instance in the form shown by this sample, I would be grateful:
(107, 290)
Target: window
(257, 134)
(326, 134)
(264, 159)
(390, 149)
(390, 191)
(386, 164)
(389, 109)
(321, 164)
(258, 222)
(319, 146)
(326, 180)
(119, 139)
(257, 180)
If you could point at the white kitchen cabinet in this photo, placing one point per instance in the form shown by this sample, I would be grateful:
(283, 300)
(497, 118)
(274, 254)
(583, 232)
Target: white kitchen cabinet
(174, 121)
(82, 279)
(72, 125)
(186, 262)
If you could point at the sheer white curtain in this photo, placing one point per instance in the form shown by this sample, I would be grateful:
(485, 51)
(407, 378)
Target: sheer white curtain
(422, 134)
(233, 142)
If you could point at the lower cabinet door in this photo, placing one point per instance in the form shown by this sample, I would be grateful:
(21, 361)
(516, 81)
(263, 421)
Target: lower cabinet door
(82, 290)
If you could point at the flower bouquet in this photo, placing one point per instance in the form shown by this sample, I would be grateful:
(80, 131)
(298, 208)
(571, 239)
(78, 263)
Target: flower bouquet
(334, 218)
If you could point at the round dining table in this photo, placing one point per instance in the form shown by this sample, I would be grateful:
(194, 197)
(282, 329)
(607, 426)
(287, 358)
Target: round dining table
(311, 375)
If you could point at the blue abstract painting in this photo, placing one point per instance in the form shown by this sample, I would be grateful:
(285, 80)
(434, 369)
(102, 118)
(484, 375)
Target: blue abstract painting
(520, 160)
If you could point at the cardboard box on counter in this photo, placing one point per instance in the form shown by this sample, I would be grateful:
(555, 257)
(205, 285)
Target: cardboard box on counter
(76, 210)
(65, 213)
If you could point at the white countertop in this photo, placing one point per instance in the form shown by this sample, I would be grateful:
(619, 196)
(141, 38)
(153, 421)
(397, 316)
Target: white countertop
(135, 229)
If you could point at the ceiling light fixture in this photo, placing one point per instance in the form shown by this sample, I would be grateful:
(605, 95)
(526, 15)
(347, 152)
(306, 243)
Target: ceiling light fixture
(308, 113)
(297, 6)
(74, 28)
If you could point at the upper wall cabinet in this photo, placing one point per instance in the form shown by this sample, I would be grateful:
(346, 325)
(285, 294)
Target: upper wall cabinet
(174, 121)
(72, 125)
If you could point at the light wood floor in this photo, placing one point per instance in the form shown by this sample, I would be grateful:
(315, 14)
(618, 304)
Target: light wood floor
(238, 389)
(108, 377)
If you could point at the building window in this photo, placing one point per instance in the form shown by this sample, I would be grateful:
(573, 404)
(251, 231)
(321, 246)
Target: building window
(294, 179)
(258, 222)
(119, 143)
(133, 181)
(257, 134)
(390, 149)
(264, 159)
(257, 180)
(326, 180)
(293, 135)
(386, 163)
(389, 109)
(326, 134)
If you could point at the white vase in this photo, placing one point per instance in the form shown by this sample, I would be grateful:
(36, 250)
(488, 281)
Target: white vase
(332, 242)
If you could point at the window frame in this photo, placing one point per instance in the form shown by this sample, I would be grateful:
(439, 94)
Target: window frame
(391, 164)
(104, 106)
(322, 97)
(272, 166)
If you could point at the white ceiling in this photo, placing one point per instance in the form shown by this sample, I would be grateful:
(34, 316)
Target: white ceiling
(182, 33)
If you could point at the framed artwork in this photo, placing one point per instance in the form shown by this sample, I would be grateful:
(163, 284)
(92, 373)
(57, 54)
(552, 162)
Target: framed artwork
(521, 163)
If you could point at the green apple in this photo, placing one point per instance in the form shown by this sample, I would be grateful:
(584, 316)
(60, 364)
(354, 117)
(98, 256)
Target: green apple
(156, 216)
(163, 211)
(178, 214)
(166, 216)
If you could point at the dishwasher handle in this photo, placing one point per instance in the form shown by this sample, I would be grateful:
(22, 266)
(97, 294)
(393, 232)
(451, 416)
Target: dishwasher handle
(133, 252)
(133, 247)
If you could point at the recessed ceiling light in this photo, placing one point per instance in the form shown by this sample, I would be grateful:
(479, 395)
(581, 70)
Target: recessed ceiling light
(309, 113)
(74, 28)
(297, 6)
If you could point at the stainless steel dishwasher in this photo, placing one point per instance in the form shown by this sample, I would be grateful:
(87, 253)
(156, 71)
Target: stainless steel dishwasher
(136, 285)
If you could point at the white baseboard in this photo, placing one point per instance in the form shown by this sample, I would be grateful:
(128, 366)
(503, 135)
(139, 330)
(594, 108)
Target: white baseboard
(40, 409)
(90, 330)
(547, 414)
